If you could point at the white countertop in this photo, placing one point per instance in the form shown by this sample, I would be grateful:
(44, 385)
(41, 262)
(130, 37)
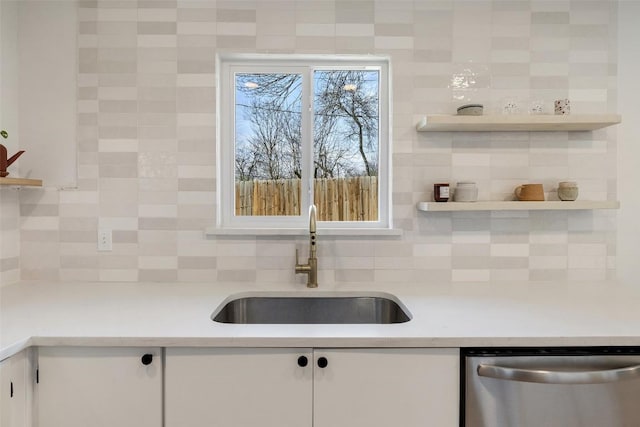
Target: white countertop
(448, 315)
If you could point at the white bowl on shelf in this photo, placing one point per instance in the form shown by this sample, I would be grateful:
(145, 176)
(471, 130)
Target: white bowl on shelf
(470, 110)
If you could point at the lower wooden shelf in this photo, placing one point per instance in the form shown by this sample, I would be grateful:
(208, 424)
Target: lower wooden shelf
(25, 182)
(516, 206)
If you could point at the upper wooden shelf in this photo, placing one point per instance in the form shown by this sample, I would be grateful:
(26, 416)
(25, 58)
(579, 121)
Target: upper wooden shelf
(25, 182)
(502, 123)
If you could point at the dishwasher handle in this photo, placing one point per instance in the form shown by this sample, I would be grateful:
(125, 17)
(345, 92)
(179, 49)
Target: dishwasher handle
(559, 377)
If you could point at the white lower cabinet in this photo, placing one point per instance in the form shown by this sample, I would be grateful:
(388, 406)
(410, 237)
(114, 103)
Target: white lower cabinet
(334, 388)
(15, 391)
(237, 387)
(98, 386)
(386, 387)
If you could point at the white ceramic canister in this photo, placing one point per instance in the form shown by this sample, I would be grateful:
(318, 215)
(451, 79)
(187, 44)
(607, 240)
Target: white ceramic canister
(466, 191)
(567, 191)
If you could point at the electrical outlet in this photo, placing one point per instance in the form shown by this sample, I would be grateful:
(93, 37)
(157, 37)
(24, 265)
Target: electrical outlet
(105, 240)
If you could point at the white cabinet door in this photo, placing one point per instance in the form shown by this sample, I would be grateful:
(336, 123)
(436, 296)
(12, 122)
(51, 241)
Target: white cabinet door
(99, 387)
(15, 387)
(386, 387)
(236, 387)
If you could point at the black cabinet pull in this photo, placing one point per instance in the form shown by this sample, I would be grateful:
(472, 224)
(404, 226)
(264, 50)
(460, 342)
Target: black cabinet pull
(322, 362)
(11, 389)
(303, 361)
(147, 359)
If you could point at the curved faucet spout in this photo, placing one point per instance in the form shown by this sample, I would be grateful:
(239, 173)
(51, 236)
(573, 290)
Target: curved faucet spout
(311, 267)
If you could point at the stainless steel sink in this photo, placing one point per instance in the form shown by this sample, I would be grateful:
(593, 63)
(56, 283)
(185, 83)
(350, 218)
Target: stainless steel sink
(312, 309)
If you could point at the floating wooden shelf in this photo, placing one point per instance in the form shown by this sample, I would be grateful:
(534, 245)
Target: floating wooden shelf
(503, 123)
(25, 182)
(516, 206)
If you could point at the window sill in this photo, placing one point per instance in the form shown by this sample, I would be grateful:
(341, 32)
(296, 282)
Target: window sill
(347, 232)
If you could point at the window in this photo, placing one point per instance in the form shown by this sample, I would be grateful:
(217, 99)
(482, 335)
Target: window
(300, 130)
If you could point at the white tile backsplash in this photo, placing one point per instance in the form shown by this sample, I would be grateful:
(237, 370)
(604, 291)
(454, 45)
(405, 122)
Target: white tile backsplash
(146, 142)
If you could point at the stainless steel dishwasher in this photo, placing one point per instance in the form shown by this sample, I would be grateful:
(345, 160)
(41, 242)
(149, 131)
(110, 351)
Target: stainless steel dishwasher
(550, 387)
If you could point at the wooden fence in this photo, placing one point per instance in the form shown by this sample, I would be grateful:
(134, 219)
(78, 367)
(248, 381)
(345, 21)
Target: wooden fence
(343, 199)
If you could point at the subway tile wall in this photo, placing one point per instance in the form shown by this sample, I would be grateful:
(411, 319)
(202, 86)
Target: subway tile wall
(147, 141)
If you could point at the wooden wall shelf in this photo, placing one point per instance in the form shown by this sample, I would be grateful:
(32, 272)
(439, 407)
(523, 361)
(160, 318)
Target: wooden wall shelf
(504, 123)
(24, 182)
(516, 206)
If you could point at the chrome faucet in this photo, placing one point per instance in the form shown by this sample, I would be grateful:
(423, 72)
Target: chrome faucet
(311, 267)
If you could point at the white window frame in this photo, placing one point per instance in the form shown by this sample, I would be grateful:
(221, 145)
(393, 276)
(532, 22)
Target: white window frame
(230, 64)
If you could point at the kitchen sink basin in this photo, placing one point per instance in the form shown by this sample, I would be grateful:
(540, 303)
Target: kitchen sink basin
(328, 308)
